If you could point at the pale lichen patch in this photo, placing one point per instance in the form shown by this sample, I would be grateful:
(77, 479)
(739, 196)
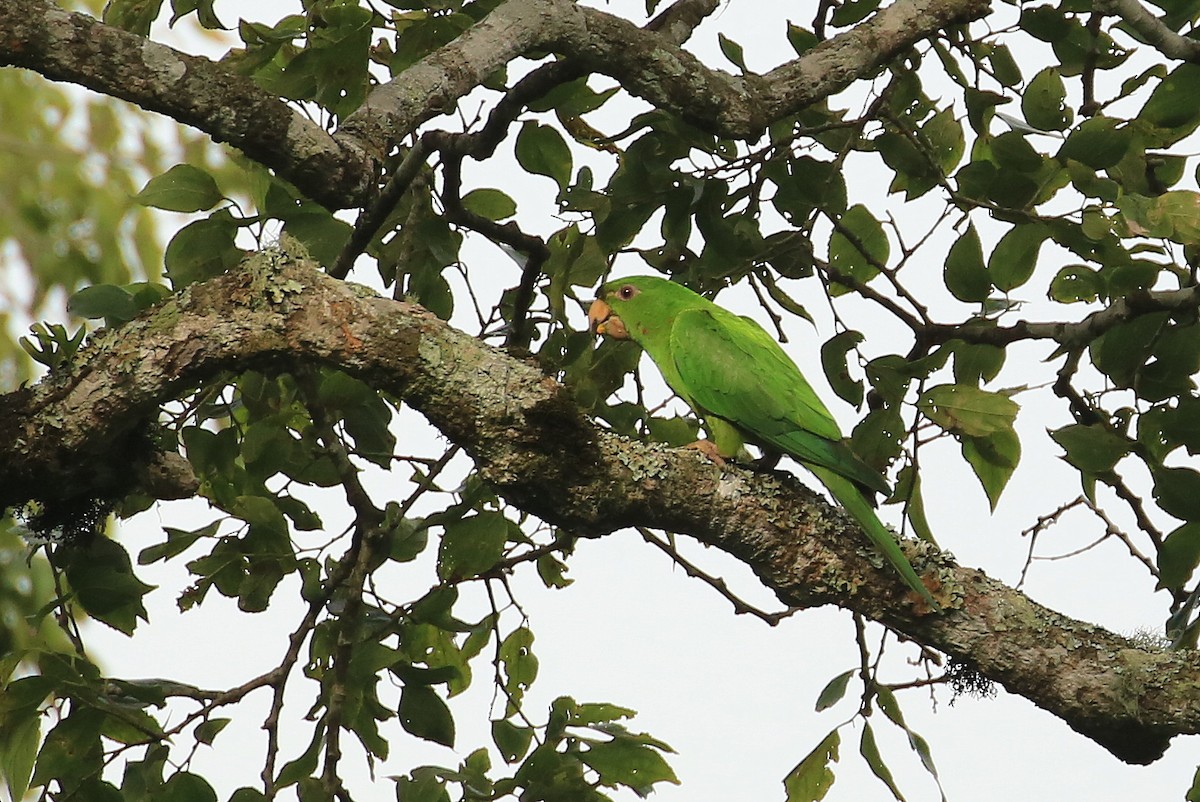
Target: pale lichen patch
(166, 66)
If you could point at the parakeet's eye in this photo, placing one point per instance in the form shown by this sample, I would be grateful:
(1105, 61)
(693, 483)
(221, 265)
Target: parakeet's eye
(627, 292)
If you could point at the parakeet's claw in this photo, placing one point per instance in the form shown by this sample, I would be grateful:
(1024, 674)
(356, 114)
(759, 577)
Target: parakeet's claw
(709, 449)
(767, 462)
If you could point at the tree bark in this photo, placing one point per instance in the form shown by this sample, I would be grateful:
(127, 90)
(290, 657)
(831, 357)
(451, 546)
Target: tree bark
(341, 169)
(537, 448)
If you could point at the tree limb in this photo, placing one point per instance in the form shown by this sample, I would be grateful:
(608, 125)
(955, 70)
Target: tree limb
(1152, 29)
(341, 170)
(535, 446)
(64, 46)
(1071, 336)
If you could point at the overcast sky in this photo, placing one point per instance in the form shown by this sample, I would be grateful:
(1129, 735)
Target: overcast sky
(733, 696)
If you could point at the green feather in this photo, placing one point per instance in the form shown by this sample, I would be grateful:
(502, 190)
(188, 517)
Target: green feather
(745, 387)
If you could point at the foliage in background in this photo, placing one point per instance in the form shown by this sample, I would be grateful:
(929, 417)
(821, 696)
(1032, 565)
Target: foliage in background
(1064, 173)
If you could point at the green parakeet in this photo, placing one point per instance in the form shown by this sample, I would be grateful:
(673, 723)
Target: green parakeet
(745, 389)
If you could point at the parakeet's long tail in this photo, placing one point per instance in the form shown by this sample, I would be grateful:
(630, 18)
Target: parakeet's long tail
(850, 497)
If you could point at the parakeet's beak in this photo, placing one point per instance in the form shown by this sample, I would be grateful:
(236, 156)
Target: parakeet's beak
(602, 321)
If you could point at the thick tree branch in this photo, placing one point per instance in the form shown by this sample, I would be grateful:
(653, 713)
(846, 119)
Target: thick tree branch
(677, 21)
(63, 46)
(1071, 336)
(742, 107)
(341, 170)
(1152, 29)
(536, 447)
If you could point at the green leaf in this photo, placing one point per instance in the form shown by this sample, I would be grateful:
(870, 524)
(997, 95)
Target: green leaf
(268, 528)
(1175, 102)
(1193, 794)
(1012, 153)
(186, 787)
(1092, 449)
(833, 692)
(981, 108)
(423, 785)
(304, 765)
(96, 790)
(430, 289)
(208, 729)
(205, 14)
(964, 409)
(520, 666)
(1004, 66)
(1178, 556)
(177, 542)
(1076, 283)
(101, 576)
(572, 99)
(1177, 215)
(975, 363)
(1097, 142)
(134, 16)
(907, 492)
(143, 779)
(183, 188)
(247, 795)
(1044, 102)
(1015, 256)
(944, 137)
(20, 736)
(878, 437)
(423, 713)
(833, 361)
(599, 712)
(552, 571)
(321, 234)
(1122, 350)
(512, 740)
(1177, 491)
(624, 761)
(812, 777)
(491, 204)
(1045, 22)
(852, 11)
(801, 39)
(891, 708)
(202, 250)
(993, 458)
(72, 749)
(541, 150)
(472, 545)
(858, 245)
(870, 752)
(732, 51)
(965, 275)
(103, 300)
(415, 675)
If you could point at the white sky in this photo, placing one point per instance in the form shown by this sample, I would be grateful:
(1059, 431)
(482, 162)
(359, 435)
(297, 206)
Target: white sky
(733, 696)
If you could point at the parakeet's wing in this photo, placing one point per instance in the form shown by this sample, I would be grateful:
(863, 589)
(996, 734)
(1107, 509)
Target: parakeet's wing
(731, 368)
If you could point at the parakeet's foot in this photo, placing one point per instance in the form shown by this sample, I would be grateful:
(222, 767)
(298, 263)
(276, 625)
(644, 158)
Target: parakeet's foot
(767, 462)
(709, 449)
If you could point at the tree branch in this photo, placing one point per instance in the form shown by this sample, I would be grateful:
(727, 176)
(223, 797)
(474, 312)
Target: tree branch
(742, 107)
(63, 46)
(1152, 29)
(536, 447)
(1071, 336)
(341, 170)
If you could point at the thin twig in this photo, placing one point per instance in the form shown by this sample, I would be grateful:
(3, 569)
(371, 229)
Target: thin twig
(373, 218)
(740, 607)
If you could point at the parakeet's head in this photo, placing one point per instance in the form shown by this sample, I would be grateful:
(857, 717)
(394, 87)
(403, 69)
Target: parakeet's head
(636, 308)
